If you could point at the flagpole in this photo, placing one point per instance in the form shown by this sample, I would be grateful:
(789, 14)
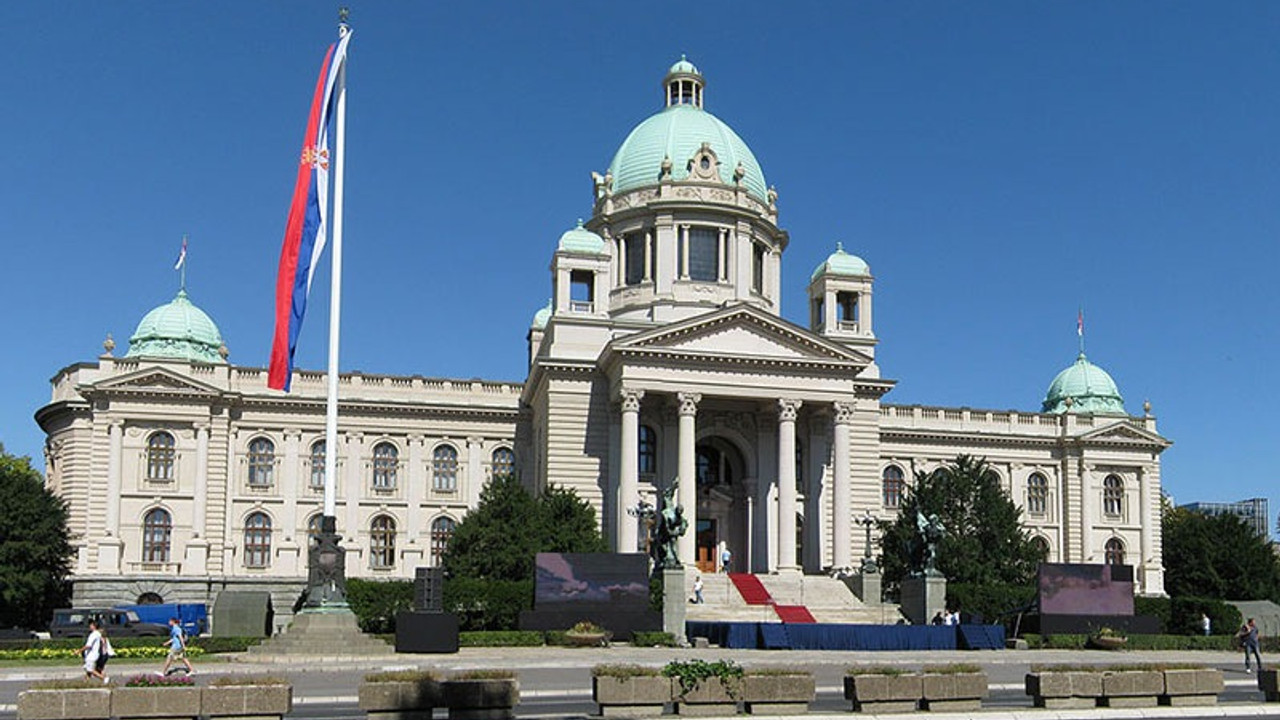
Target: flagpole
(335, 296)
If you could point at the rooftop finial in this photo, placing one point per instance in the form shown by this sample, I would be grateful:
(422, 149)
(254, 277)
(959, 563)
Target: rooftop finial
(181, 265)
(839, 246)
(344, 12)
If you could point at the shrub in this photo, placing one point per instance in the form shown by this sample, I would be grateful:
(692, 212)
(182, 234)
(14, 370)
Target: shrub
(876, 670)
(66, 683)
(150, 680)
(1185, 616)
(500, 638)
(402, 676)
(1158, 607)
(375, 602)
(691, 673)
(484, 675)
(242, 680)
(624, 671)
(952, 669)
(219, 644)
(642, 638)
(995, 602)
(487, 604)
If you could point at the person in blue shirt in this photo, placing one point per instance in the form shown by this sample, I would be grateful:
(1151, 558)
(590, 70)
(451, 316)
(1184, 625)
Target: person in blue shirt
(177, 643)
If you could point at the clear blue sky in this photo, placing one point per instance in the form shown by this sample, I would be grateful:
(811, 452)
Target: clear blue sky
(998, 164)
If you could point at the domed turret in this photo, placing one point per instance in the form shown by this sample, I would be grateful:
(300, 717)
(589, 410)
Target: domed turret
(541, 317)
(665, 145)
(582, 240)
(1083, 388)
(843, 264)
(178, 329)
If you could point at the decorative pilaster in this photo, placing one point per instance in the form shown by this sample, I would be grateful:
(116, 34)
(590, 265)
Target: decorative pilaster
(197, 551)
(1144, 538)
(787, 411)
(842, 488)
(687, 468)
(110, 546)
(625, 532)
(1087, 504)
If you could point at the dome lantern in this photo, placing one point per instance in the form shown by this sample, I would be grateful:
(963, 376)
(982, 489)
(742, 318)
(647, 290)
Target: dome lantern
(684, 84)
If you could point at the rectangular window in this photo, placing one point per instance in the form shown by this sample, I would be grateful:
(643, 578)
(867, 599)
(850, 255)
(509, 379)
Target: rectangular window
(635, 258)
(757, 268)
(704, 254)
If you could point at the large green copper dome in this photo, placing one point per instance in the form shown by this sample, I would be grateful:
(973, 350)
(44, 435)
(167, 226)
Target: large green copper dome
(677, 133)
(177, 329)
(1088, 387)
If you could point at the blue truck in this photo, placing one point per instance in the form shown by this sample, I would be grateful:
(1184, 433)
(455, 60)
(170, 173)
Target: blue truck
(194, 618)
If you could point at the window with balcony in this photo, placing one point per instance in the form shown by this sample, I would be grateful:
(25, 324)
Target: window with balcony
(157, 532)
(582, 291)
(257, 540)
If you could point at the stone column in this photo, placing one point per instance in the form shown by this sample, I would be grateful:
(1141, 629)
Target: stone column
(687, 468)
(353, 490)
(684, 252)
(625, 533)
(842, 488)
(787, 409)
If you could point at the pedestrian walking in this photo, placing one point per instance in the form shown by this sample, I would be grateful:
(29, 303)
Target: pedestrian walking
(697, 590)
(1206, 624)
(1249, 639)
(726, 560)
(177, 643)
(95, 653)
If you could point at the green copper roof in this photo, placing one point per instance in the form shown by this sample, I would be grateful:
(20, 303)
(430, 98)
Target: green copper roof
(1089, 387)
(582, 240)
(677, 132)
(177, 329)
(841, 263)
(541, 317)
(683, 66)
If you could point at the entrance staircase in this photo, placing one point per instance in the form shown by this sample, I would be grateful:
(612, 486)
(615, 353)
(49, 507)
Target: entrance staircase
(744, 597)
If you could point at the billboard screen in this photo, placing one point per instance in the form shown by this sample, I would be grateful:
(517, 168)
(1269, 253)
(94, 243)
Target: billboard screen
(618, 582)
(1078, 589)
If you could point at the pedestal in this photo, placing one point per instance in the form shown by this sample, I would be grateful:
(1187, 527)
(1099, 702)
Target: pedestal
(923, 597)
(866, 586)
(673, 604)
(109, 555)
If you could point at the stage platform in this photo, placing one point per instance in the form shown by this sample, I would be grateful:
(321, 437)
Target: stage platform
(828, 636)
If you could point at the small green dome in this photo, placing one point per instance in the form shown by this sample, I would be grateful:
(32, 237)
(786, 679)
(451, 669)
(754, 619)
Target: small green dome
(1089, 387)
(683, 66)
(177, 329)
(582, 240)
(676, 133)
(841, 263)
(541, 317)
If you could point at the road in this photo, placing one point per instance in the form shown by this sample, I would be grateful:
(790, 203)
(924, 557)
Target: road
(556, 682)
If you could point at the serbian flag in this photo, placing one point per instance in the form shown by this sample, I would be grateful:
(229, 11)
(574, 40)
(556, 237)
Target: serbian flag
(1080, 323)
(304, 234)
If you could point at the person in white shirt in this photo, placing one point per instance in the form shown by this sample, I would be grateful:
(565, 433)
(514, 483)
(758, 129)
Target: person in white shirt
(94, 650)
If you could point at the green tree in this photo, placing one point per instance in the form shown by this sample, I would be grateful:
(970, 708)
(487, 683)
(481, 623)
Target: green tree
(489, 562)
(35, 546)
(984, 544)
(1217, 556)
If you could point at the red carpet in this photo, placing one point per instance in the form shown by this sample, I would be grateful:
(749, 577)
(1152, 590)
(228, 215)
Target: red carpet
(794, 614)
(751, 589)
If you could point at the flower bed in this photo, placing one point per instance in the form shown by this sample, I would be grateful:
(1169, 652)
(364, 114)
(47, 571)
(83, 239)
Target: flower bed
(882, 690)
(154, 696)
(407, 695)
(629, 690)
(777, 692)
(247, 697)
(705, 688)
(481, 695)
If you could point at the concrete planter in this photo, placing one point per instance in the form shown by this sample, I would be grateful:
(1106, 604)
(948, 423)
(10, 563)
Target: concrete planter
(155, 702)
(76, 704)
(953, 691)
(712, 696)
(1268, 683)
(1196, 686)
(400, 699)
(778, 694)
(481, 699)
(1131, 688)
(246, 702)
(1064, 689)
(883, 693)
(632, 696)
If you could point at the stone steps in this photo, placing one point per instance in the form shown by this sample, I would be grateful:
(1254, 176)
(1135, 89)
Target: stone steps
(320, 634)
(828, 599)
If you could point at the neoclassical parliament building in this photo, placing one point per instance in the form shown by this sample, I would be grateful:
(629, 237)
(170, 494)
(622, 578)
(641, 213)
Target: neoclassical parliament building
(661, 357)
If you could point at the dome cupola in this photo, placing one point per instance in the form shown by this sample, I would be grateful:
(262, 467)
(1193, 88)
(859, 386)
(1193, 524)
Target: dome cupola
(179, 330)
(843, 264)
(1083, 388)
(582, 240)
(684, 84)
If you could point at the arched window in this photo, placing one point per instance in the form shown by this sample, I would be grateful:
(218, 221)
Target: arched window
(1113, 496)
(444, 469)
(382, 542)
(647, 455)
(1042, 546)
(386, 459)
(313, 529)
(160, 456)
(150, 598)
(1115, 552)
(262, 460)
(257, 540)
(894, 485)
(441, 531)
(504, 463)
(157, 529)
(1037, 494)
(317, 464)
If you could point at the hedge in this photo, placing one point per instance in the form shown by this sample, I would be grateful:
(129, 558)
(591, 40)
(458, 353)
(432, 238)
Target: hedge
(375, 602)
(196, 644)
(1182, 615)
(1147, 642)
(994, 602)
(501, 638)
(487, 604)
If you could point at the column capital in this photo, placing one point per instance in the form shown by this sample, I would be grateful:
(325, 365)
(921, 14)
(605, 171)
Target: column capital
(689, 402)
(787, 409)
(630, 399)
(844, 411)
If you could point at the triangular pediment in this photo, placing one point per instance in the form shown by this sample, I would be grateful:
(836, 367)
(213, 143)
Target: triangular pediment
(155, 379)
(741, 332)
(1124, 432)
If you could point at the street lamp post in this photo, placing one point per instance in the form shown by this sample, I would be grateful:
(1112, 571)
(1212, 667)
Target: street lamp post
(868, 562)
